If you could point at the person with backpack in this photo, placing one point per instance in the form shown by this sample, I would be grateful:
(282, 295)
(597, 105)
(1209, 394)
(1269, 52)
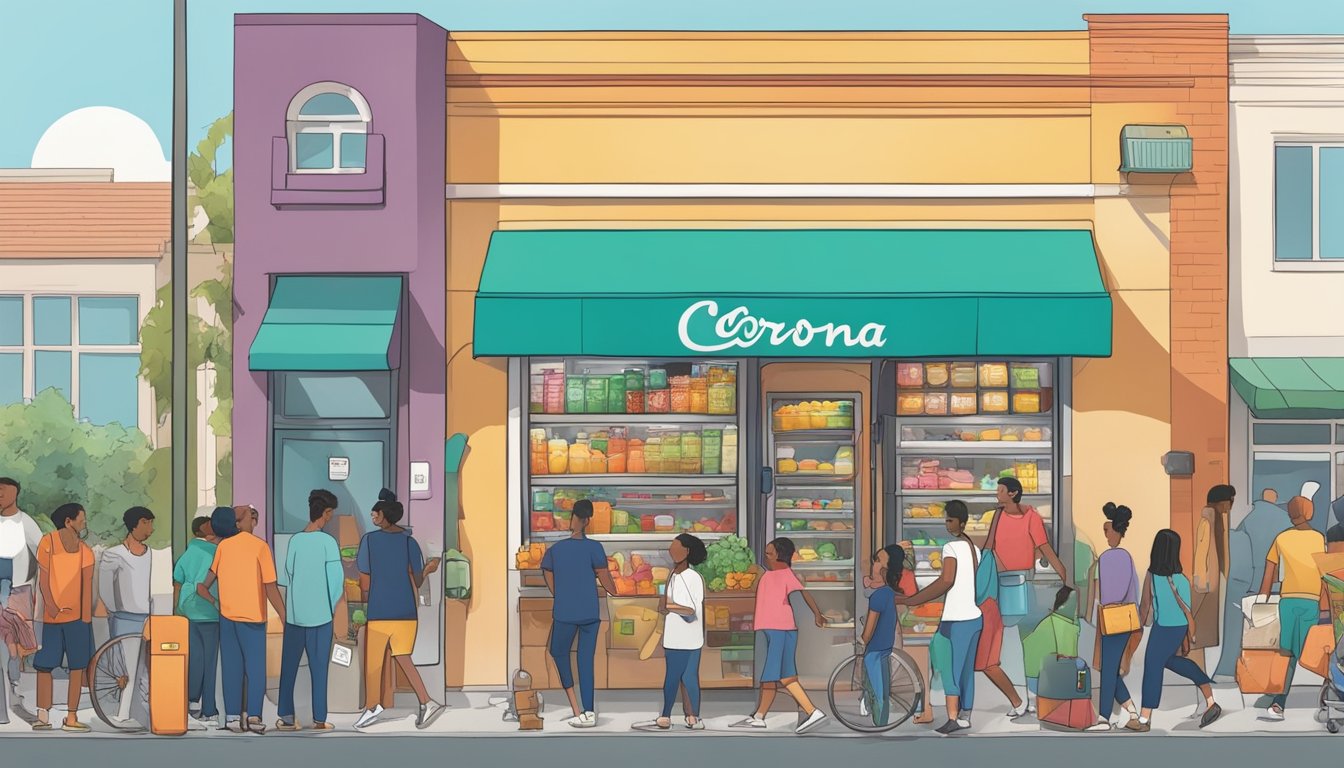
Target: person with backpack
(962, 620)
(1166, 603)
(1116, 594)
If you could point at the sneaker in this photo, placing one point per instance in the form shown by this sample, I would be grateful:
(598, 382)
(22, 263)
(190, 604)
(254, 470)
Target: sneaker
(1137, 725)
(1210, 716)
(586, 720)
(698, 725)
(812, 721)
(1101, 726)
(952, 726)
(1274, 714)
(74, 726)
(1017, 712)
(429, 712)
(369, 717)
(751, 722)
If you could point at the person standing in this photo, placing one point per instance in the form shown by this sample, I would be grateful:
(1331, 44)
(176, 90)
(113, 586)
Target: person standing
(65, 576)
(569, 567)
(775, 619)
(1334, 537)
(1166, 603)
(1293, 554)
(1248, 545)
(202, 618)
(124, 588)
(391, 569)
(1117, 591)
(245, 571)
(19, 537)
(314, 581)
(962, 620)
(881, 632)
(683, 606)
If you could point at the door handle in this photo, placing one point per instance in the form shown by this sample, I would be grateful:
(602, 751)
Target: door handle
(767, 481)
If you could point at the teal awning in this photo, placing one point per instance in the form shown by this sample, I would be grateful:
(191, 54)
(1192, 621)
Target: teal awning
(329, 323)
(1291, 387)
(792, 293)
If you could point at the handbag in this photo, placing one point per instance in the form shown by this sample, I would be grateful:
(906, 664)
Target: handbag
(1189, 620)
(1119, 618)
(1135, 634)
(986, 578)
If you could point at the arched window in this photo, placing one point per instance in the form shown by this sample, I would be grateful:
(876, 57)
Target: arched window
(328, 126)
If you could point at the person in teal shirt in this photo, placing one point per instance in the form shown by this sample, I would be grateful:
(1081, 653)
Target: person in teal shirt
(314, 581)
(202, 617)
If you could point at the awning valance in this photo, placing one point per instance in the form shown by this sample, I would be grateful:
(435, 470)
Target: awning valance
(329, 323)
(1291, 387)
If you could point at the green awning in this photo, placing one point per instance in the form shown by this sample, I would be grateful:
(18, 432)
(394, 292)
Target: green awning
(1291, 387)
(792, 293)
(329, 323)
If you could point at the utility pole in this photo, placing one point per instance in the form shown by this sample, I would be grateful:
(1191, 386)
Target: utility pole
(181, 514)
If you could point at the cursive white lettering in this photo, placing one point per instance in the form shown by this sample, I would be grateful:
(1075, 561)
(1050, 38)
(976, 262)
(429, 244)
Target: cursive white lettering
(739, 328)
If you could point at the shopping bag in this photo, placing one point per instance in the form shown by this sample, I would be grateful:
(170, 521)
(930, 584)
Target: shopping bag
(1065, 714)
(1264, 638)
(987, 579)
(1261, 671)
(1316, 651)
(1260, 611)
(1012, 596)
(1065, 678)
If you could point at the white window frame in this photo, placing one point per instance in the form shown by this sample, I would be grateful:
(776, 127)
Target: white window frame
(1316, 263)
(334, 125)
(30, 348)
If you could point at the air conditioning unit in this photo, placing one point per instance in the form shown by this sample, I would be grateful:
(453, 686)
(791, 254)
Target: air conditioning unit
(1156, 149)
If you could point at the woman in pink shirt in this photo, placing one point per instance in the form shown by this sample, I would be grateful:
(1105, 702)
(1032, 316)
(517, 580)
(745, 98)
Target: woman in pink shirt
(774, 618)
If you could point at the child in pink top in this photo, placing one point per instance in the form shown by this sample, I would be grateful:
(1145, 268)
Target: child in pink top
(774, 618)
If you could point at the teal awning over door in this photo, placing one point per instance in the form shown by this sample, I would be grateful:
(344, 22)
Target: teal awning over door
(793, 293)
(329, 323)
(1291, 387)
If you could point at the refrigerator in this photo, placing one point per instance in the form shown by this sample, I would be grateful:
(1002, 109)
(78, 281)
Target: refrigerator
(812, 497)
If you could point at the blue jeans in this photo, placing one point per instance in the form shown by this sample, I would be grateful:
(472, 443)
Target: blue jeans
(1164, 643)
(683, 668)
(877, 677)
(203, 666)
(1113, 689)
(316, 642)
(242, 647)
(964, 637)
(562, 639)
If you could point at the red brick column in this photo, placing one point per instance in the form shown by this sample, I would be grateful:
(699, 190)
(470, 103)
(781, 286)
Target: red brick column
(1191, 50)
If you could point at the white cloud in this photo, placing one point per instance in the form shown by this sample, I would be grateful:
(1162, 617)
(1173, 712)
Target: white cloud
(104, 137)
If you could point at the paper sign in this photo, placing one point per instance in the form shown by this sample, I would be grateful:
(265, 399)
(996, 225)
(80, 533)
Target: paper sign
(341, 654)
(338, 468)
(419, 476)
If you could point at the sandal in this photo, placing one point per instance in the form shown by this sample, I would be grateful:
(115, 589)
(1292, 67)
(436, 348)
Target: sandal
(281, 725)
(653, 725)
(254, 725)
(323, 727)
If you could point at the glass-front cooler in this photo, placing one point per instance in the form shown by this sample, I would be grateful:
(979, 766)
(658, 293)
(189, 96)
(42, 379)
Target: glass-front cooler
(958, 428)
(814, 501)
(654, 445)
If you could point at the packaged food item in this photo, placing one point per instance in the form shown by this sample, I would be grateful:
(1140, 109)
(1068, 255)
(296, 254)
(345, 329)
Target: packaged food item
(664, 523)
(722, 398)
(995, 401)
(935, 403)
(699, 395)
(601, 522)
(910, 375)
(557, 453)
(680, 394)
(579, 455)
(963, 375)
(1026, 402)
(617, 447)
(657, 378)
(634, 401)
(595, 388)
(936, 374)
(616, 393)
(536, 400)
(991, 435)
(729, 464)
(962, 403)
(597, 462)
(1026, 376)
(993, 375)
(635, 464)
(1033, 434)
(554, 381)
(574, 394)
(658, 401)
(910, 403)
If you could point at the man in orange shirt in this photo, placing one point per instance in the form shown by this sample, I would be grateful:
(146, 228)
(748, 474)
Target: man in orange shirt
(65, 576)
(245, 571)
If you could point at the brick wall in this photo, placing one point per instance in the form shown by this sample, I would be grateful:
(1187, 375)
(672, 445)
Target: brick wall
(1191, 50)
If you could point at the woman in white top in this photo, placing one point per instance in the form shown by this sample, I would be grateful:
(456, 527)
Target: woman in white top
(683, 606)
(962, 621)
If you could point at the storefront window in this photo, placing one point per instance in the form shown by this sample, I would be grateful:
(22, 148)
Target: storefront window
(355, 395)
(1292, 433)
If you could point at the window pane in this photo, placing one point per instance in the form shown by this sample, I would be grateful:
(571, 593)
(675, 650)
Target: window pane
(109, 388)
(1332, 202)
(1292, 434)
(1293, 216)
(11, 321)
(313, 150)
(353, 146)
(109, 320)
(11, 377)
(51, 369)
(51, 321)
(337, 395)
(329, 105)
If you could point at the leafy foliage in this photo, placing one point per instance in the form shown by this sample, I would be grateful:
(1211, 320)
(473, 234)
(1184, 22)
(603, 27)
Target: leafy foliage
(214, 191)
(107, 469)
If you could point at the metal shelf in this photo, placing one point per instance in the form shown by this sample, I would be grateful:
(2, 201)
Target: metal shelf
(964, 494)
(960, 447)
(618, 537)
(620, 503)
(822, 565)
(831, 514)
(815, 534)
(828, 586)
(800, 480)
(634, 480)
(982, 420)
(623, 419)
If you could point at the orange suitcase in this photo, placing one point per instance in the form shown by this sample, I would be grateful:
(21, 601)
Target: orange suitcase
(166, 640)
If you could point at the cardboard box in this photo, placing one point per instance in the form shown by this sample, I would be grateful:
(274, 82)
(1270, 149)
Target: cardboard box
(625, 670)
(534, 628)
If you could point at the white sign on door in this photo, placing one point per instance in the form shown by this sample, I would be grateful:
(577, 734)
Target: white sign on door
(419, 476)
(338, 468)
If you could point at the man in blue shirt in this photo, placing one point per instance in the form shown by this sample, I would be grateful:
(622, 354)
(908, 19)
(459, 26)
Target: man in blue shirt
(570, 567)
(202, 618)
(314, 581)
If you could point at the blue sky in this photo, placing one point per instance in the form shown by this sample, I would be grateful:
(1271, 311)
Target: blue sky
(81, 53)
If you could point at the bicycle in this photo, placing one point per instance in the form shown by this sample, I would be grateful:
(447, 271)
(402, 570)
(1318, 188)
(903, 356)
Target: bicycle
(857, 705)
(109, 683)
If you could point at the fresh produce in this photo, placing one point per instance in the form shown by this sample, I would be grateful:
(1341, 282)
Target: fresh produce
(727, 555)
(826, 551)
(359, 617)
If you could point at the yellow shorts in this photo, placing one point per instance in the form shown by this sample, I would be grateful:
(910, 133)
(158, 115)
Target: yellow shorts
(398, 635)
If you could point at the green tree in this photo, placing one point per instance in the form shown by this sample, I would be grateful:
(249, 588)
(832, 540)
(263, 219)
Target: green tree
(214, 191)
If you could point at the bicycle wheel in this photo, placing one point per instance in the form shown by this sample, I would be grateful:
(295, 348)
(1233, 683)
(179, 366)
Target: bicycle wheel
(109, 682)
(859, 707)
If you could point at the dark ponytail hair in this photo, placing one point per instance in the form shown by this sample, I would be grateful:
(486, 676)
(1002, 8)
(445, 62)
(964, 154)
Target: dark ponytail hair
(388, 505)
(695, 548)
(895, 566)
(319, 501)
(1119, 517)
